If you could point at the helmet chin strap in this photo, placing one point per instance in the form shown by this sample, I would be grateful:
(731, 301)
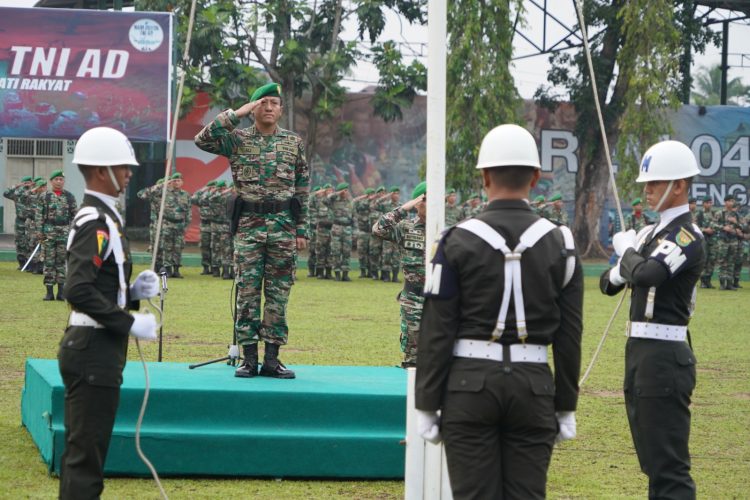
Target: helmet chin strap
(114, 180)
(664, 196)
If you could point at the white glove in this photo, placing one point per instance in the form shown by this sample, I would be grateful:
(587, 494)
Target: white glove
(567, 422)
(428, 426)
(615, 277)
(146, 285)
(623, 240)
(144, 326)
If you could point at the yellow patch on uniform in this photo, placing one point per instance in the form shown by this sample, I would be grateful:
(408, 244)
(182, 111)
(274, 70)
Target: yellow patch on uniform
(102, 240)
(684, 238)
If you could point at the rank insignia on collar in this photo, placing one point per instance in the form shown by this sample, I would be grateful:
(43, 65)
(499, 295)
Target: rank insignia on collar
(684, 238)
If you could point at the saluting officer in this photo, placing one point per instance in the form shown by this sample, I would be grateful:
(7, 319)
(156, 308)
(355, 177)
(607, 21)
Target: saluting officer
(482, 363)
(94, 348)
(662, 264)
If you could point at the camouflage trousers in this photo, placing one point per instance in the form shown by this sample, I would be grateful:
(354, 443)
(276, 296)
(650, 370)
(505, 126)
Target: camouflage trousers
(411, 315)
(174, 234)
(323, 257)
(55, 241)
(390, 258)
(311, 253)
(152, 237)
(375, 251)
(32, 232)
(22, 239)
(341, 246)
(222, 246)
(363, 249)
(738, 258)
(265, 250)
(205, 243)
(725, 250)
(708, 268)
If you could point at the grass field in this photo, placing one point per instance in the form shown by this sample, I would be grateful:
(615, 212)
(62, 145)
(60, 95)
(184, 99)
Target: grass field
(357, 324)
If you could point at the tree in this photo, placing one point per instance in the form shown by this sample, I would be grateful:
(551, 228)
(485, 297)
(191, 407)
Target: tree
(708, 88)
(481, 92)
(628, 75)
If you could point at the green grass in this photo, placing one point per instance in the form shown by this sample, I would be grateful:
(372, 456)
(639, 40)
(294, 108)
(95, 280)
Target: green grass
(357, 323)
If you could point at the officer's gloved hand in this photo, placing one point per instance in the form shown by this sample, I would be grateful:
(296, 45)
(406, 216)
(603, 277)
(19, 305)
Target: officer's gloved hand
(567, 422)
(614, 276)
(428, 426)
(623, 240)
(145, 286)
(144, 326)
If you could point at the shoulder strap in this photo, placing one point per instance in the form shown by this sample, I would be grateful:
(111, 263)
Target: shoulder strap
(570, 248)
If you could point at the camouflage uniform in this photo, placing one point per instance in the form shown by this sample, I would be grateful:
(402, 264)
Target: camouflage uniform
(375, 246)
(35, 198)
(152, 195)
(361, 209)
(221, 236)
(452, 214)
(312, 210)
(199, 199)
(177, 216)
(389, 260)
(53, 218)
(323, 255)
(409, 235)
(726, 246)
(20, 196)
(637, 221)
(341, 231)
(559, 217)
(268, 171)
(705, 219)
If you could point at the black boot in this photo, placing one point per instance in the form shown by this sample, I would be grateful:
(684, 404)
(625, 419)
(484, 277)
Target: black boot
(272, 367)
(320, 273)
(708, 282)
(363, 272)
(231, 272)
(226, 274)
(39, 268)
(50, 294)
(394, 278)
(704, 282)
(215, 272)
(29, 267)
(60, 288)
(345, 276)
(21, 261)
(736, 283)
(385, 276)
(169, 270)
(206, 270)
(328, 275)
(311, 271)
(176, 272)
(338, 275)
(374, 275)
(249, 367)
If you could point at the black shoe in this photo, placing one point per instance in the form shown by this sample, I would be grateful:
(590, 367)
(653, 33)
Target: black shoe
(362, 272)
(215, 272)
(345, 276)
(328, 274)
(704, 282)
(249, 367)
(394, 278)
(736, 283)
(29, 267)
(176, 272)
(320, 273)
(310, 272)
(374, 275)
(338, 275)
(21, 261)
(39, 268)
(272, 367)
(385, 276)
(205, 271)
(60, 288)
(226, 274)
(708, 283)
(50, 294)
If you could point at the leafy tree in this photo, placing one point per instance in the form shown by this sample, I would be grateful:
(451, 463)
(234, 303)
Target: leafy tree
(708, 88)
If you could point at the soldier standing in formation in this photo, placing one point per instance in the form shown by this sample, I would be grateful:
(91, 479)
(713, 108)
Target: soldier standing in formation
(94, 348)
(557, 213)
(409, 234)
(473, 206)
(199, 199)
(177, 217)
(452, 210)
(662, 265)
(53, 217)
(19, 194)
(637, 219)
(35, 197)
(312, 220)
(361, 208)
(705, 218)
(375, 246)
(152, 195)
(482, 363)
(324, 216)
(222, 246)
(389, 258)
(272, 180)
(727, 224)
(340, 206)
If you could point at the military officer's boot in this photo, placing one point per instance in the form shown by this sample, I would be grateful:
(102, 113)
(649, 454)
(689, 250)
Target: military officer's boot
(374, 274)
(206, 270)
(60, 289)
(176, 272)
(226, 273)
(338, 275)
(363, 272)
(231, 272)
(736, 283)
(708, 282)
(385, 276)
(168, 270)
(319, 272)
(21, 260)
(328, 275)
(394, 278)
(249, 367)
(215, 272)
(703, 282)
(272, 367)
(311, 271)
(345, 276)
(50, 293)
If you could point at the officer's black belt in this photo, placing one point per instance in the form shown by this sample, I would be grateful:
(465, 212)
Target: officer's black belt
(414, 288)
(264, 207)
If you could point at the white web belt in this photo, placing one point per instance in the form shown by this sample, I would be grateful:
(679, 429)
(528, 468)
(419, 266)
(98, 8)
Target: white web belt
(481, 349)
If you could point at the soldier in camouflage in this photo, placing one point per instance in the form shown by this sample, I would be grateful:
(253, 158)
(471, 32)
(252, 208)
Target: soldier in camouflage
(19, 195)
(312, 221)
(53, 218)
(35, 198)
(361, 209)
(409, 235)
(557, 213)
(705, 220)
(375, 244)
(539, 206)
(323, 226)
(637, 220)
(340, 206)
(729, 232)
(272, 180)
(472, 207)
(177, 217)
(220, 230)
(152, 195)
(390, 258)
(452, 210)
(199, 199)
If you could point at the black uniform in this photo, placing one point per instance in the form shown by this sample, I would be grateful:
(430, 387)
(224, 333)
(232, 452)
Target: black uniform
(91, 359)
(660, 374)
(498, 418)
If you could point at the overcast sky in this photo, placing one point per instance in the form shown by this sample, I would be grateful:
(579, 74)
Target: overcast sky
(531, 72)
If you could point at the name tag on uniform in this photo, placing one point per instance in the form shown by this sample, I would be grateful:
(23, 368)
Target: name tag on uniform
(249, 150)
(285, 147)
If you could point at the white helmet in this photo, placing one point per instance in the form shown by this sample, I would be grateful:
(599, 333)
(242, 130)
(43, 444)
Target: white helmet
(104, 147)
(668, 161)
(508, 146)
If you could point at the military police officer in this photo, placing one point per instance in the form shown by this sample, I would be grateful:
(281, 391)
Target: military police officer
(661, 264)
(483, 363)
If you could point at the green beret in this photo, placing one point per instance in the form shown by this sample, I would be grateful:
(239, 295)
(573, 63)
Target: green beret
(316, 188)
(381, 189)
(222, 183)
(26, 178)
(327, 185)
(342, 185)
(176, 175)
(210, 183)
(692, 200)
(56, 173)
(41, 182)
(556, 197)
(160, 180)
(637, 201)
(38, 178)
(419, 190)
(707, 199)
(729, 197)
(450, 191)
(539, 199)
(474, 195)
(270, 89)
(369, 190)
(394, 189)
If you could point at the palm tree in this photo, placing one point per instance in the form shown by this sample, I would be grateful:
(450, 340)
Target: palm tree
(708, 88)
